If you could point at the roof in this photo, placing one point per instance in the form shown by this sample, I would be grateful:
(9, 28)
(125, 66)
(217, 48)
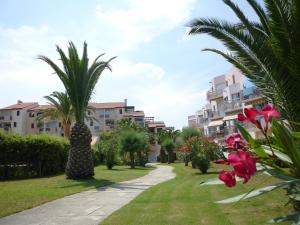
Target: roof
(21, 105)
(156, 124)
(135, 114)
(42, 107)
(107, 105)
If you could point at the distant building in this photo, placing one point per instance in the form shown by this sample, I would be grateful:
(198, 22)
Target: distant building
(20, 118)
(229, 94)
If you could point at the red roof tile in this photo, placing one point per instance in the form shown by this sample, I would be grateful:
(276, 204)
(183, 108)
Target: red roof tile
(107, 105)
(21, 105)
(135, 114)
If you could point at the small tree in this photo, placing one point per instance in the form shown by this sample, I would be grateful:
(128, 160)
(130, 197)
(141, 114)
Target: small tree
(109, 146)
(169, 145)
(203, 151)
(187, 133)
(131, 141)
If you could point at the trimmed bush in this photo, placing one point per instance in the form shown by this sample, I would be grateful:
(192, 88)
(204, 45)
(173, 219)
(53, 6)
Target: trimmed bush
(30, 156)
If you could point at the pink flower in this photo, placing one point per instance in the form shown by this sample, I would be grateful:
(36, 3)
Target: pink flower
(243, 163)
(250, 115)
(235, 141)
(269, 112)
(228, 177)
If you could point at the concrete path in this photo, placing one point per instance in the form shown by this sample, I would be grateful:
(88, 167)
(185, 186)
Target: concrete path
(89, 207)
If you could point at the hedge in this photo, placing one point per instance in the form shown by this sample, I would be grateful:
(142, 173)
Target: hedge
(31, 156)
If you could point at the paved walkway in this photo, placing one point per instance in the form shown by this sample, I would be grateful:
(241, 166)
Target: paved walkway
(89, 207)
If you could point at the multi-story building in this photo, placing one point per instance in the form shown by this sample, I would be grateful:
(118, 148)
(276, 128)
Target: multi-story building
(21, 118)
(13, 118)
(229, 94)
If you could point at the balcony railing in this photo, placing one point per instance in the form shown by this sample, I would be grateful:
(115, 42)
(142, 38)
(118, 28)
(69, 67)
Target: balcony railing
(229, 106)
(214, 94)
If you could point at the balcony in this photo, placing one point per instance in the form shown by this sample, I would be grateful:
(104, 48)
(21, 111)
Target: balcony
(212, 95)
(232, 106)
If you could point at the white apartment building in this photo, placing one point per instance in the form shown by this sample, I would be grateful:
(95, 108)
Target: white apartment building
(13, 118)
(228, 95)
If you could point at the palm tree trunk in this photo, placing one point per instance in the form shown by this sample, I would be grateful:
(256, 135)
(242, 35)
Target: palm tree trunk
(80, 162)
(67, 128)
(132, 160)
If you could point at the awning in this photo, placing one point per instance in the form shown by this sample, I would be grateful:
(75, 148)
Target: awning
(231, 117)
(215, 123)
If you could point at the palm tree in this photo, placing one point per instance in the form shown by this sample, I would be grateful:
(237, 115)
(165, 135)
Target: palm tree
(267, 51)
(61, 110)
(79, 80)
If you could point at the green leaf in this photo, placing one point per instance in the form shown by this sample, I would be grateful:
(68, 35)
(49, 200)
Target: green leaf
(279, 154)
(253, 143)
(278, 174)
(291, 217)
(215, 181)
(296, 134)
(286, 141)
(253, 193)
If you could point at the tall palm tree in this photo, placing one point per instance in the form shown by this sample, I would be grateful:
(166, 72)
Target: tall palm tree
(61, 110)
(267, 51)
(79, 79)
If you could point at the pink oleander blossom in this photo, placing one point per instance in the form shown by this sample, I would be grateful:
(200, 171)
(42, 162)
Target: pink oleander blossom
(235, 141)
(244, 165)
(228, 177)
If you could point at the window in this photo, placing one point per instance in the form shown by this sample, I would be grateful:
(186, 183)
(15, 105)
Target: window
(120, 111)
(1, 117)
(91, 123)
(59, 124)
(15, 124)
(233, 79)
(18, 113)
(226, 83)
(32, 125)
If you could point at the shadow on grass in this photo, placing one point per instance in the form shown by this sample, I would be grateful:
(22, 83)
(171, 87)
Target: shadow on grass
(208, 173)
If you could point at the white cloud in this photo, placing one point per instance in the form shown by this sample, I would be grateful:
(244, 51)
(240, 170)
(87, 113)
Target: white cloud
(147, 86)
(147, 19)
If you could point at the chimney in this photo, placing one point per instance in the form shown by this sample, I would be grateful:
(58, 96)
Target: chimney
(125, 101)
(19, 102)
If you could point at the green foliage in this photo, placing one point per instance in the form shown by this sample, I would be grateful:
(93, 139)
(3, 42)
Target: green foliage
(202, 163)
(35, 155)
(169, 145)
(78, 77)
(109, 146)
(133, 141)
(187, 133)
(203, 151)
(267, 51)
(61, 110)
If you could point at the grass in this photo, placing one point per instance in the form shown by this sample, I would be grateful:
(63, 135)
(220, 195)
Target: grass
(18, 195)
(183, 201)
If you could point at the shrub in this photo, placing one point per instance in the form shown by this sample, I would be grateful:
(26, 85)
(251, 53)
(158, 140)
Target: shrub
(34, 155)
(188, 133)
(202, 162)
(169, 145)
(109, 146)
(201, 149)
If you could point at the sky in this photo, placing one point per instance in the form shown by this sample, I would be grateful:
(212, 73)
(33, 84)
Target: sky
(158, 69)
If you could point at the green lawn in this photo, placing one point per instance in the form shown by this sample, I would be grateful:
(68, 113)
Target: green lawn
(182, 201)
(18, 195)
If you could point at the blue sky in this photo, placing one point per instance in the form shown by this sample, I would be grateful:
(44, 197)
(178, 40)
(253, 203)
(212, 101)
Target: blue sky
(159, 69)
